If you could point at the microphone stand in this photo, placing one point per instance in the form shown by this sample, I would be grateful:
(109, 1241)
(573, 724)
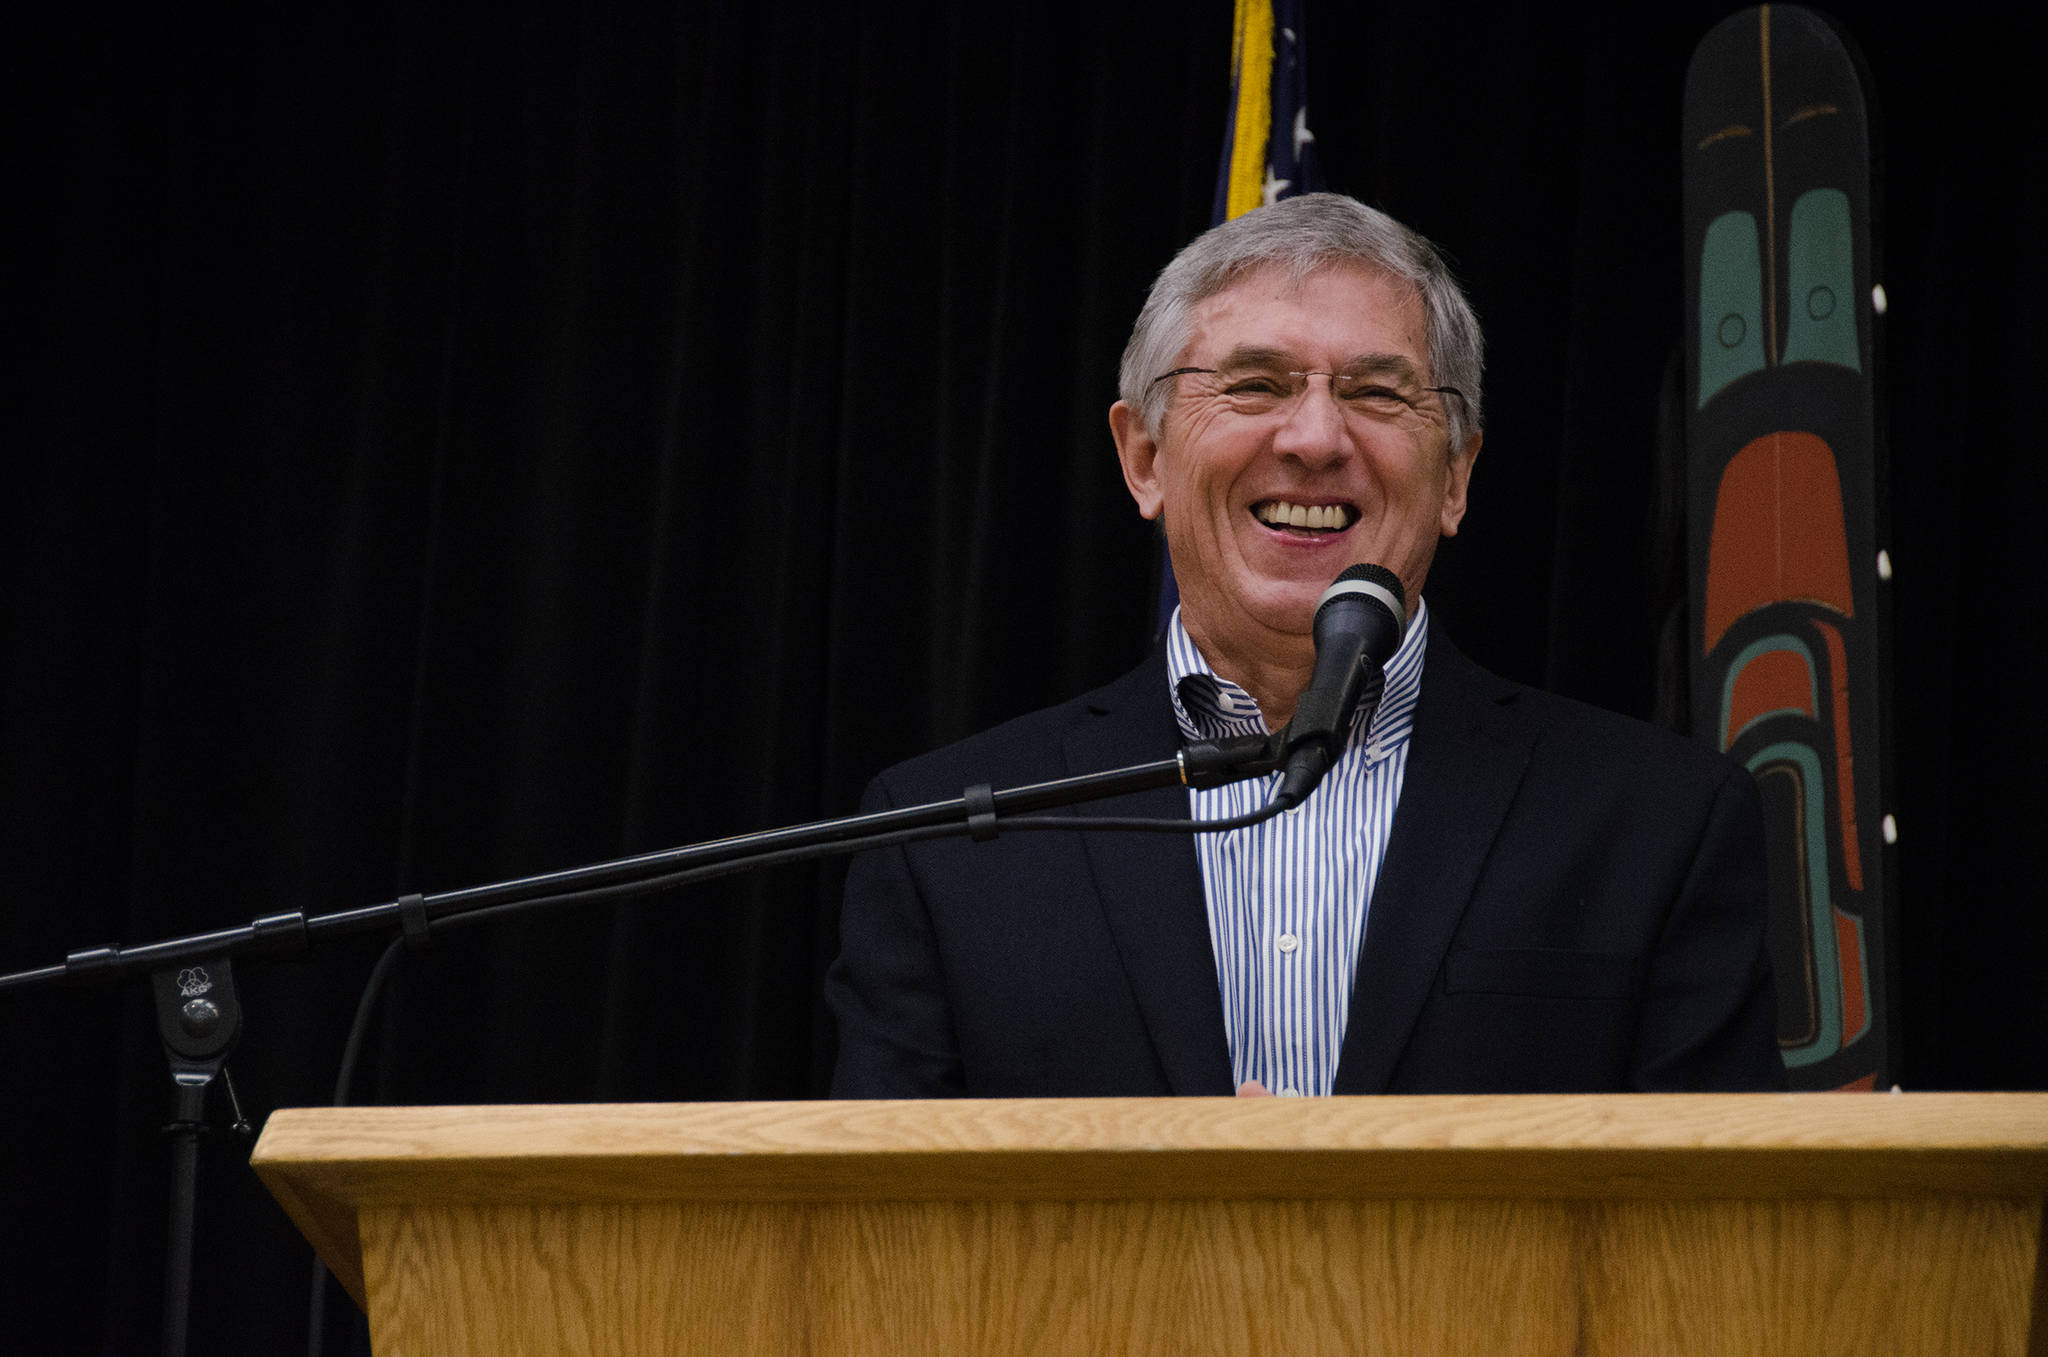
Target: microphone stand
(199, 1019)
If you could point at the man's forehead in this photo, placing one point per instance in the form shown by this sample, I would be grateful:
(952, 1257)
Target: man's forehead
(1269, 308)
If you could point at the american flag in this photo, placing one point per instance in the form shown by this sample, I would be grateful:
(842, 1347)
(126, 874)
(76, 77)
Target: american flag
(1269, 153)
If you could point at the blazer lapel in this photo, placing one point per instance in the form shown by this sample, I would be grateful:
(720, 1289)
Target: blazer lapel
(1466, 757)
(1150, 885)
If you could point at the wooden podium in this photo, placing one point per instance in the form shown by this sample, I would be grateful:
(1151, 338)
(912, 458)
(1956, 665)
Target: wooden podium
(1751, 1224)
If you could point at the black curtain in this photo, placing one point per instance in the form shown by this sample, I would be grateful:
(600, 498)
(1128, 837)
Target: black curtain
(455, 442)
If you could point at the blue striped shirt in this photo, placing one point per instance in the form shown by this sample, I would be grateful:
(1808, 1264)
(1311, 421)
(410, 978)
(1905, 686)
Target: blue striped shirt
(1288, 898)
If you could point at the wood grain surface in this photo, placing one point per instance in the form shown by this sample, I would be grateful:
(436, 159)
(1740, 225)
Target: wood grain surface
(1700, 1224)
(1465, 1276)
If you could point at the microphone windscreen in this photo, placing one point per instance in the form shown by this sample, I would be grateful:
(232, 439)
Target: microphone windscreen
(1374, 582)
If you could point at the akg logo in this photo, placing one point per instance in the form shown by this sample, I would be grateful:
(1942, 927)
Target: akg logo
(193, 981)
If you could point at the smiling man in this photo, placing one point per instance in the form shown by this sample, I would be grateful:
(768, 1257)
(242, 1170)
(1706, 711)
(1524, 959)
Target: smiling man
(1493, 890)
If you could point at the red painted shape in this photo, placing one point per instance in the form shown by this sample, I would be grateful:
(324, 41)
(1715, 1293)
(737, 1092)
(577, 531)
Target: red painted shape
(1778, 535)
(1776, 680)
(1845, 757)
(1849, 956)
(1867, 1084)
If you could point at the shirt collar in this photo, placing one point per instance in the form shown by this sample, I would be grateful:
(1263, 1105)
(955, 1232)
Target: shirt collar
(1208, 706)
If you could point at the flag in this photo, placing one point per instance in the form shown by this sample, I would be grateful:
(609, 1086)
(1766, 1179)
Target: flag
(1268, 149)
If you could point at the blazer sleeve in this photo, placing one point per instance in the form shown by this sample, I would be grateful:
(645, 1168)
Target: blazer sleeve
(887, 990)
(1709, 1015)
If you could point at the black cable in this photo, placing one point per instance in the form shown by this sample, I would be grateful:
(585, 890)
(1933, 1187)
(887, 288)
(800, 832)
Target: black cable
(805, 852)
(1256, 817)
(690, 876)
(352, 1050)
(316, 1311)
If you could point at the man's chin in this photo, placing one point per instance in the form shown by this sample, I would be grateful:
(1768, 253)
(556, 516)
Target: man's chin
(1287, 578)
(1286, 606)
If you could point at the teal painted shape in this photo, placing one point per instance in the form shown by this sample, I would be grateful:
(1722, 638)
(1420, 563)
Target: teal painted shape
(1731, 302)
(1741, 661)
(1827, 959)
(1820, 265)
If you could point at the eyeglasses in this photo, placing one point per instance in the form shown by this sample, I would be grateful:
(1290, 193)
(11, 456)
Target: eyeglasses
(1260, 390)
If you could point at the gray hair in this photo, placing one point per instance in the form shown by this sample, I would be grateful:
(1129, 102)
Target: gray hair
(1304, 234)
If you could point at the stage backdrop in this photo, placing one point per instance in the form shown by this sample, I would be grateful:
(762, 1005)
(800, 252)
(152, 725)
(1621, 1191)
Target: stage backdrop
(457, 441)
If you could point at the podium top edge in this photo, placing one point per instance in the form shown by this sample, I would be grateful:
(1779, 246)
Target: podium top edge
(2014, 1123)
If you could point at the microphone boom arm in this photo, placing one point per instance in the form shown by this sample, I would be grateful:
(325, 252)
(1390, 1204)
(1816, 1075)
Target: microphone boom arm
(978, 812)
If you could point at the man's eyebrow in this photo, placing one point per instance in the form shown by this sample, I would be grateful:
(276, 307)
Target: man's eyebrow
(1398, 365)
(1255, 356)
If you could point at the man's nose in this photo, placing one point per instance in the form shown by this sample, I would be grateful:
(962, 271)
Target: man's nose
(1313, 426)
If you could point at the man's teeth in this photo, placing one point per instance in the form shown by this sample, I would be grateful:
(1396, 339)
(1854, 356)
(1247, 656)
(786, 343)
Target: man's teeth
(1281, 514)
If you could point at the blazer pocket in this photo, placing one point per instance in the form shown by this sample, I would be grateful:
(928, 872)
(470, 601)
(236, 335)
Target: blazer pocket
(1541, 972)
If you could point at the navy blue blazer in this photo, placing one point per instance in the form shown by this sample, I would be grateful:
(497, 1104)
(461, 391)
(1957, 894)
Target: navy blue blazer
(1571, 901)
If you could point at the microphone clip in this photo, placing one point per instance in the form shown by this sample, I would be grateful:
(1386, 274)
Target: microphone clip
(1214, 763)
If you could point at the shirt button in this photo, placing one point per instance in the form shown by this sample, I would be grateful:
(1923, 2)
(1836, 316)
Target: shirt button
(1290, 1093)
(1288, 942)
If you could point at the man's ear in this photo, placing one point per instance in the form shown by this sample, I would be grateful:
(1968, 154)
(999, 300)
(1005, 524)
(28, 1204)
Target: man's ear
(1139, 453)
(1459, 482)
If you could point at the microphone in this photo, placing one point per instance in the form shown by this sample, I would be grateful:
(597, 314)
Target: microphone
(1360, 620)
